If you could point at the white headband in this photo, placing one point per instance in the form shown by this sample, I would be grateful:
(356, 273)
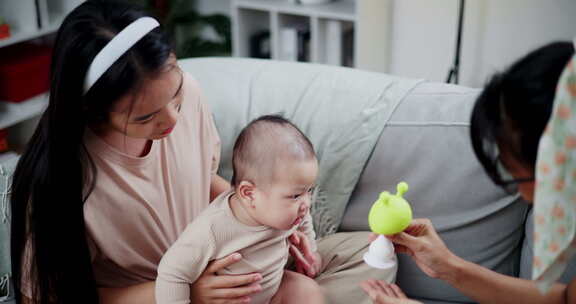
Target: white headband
(121, 43)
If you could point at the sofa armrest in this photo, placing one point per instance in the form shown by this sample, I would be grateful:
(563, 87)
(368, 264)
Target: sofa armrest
(7, 166)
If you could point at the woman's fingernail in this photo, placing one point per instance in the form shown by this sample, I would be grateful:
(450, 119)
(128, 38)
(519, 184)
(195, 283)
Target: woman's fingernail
(257, 277)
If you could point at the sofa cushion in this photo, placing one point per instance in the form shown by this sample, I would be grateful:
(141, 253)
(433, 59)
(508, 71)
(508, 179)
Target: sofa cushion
(426, 143)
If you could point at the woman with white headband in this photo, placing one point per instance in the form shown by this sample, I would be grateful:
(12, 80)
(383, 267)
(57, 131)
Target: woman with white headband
(124, 157)
(523, 131)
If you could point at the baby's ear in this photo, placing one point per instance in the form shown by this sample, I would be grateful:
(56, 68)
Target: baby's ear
(245, 191)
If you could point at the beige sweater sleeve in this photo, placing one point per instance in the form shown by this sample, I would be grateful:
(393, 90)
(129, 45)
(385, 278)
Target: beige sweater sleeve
(183, 263)
(307, 227)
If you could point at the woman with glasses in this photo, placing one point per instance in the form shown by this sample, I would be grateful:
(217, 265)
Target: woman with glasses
(523, 131)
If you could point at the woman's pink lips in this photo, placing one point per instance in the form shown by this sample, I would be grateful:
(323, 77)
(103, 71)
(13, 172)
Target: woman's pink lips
(168, 131)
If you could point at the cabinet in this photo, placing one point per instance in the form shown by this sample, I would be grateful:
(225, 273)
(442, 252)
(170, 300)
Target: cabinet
(29, 20)
(352, 33)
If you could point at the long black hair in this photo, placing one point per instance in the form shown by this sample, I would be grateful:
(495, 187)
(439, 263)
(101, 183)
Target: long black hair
(55, 174)
(515, 106)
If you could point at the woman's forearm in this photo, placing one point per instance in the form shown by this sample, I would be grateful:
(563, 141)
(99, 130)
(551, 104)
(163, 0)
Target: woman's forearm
(487, 286)
(136, 294)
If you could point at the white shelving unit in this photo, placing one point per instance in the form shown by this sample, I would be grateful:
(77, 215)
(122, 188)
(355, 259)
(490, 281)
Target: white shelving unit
(23, 20)
(28, 20)
(368, 20)
(14, 113)
(27, 35)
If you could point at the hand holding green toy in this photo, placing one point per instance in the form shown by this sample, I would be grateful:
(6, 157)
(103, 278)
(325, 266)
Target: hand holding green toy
(389, 215)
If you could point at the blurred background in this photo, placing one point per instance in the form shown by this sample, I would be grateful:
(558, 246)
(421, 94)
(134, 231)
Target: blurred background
(412, 38)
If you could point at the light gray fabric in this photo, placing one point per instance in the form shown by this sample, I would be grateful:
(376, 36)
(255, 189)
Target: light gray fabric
(341, 110)
(6, 286)
(528, 254)
(426, 144)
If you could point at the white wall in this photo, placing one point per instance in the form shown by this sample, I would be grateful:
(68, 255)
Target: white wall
(496, 32)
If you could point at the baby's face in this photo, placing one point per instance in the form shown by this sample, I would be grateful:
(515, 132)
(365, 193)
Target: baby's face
(284, 203)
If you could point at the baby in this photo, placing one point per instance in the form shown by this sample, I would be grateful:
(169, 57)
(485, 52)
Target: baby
(275, 169)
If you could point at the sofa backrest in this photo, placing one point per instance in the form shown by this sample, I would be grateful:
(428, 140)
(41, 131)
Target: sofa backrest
(341, 110)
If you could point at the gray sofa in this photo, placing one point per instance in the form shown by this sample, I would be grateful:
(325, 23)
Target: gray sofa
(425, 142)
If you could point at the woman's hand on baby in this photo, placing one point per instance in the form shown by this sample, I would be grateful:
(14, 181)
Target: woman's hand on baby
(381, 292)
(421, 241)
(214, 289)
(307, 261)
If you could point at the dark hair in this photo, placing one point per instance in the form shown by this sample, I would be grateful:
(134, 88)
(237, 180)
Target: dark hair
(251, 147)
(515, 106)
(55, 174)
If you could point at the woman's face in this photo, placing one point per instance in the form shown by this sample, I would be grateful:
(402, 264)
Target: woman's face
(151, 112)
(519, 171)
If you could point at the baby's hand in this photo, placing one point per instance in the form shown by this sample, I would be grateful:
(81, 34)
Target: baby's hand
(381, 292)
(317, 264)
(307, 261)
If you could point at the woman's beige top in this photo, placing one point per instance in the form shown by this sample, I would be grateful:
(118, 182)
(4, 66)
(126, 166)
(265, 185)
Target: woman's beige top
(140, 205)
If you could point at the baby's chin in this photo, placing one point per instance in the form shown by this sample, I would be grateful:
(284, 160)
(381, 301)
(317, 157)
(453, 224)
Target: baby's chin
(287, 226)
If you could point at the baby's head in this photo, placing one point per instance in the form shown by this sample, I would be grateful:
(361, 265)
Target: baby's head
(275, 170)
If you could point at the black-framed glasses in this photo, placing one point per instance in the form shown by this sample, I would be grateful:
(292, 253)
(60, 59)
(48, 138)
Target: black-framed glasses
(490, 157)
(504, 179)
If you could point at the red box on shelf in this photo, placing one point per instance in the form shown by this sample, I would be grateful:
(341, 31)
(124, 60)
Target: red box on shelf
(24, 71)
(4, 31)
(3, 140)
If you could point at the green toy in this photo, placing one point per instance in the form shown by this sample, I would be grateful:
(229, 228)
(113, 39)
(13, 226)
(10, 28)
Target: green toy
(390, 214)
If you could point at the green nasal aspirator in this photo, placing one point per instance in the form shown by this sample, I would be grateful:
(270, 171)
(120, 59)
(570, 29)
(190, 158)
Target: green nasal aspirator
(389, 215)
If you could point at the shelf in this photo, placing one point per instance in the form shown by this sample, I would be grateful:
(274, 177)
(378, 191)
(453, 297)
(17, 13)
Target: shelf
(253, 22)
(340, 10)
(14, 113)
(6, 157)
(365, 27)
(294, 38)
(27, 35)
(334, 43)
(23, 16)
